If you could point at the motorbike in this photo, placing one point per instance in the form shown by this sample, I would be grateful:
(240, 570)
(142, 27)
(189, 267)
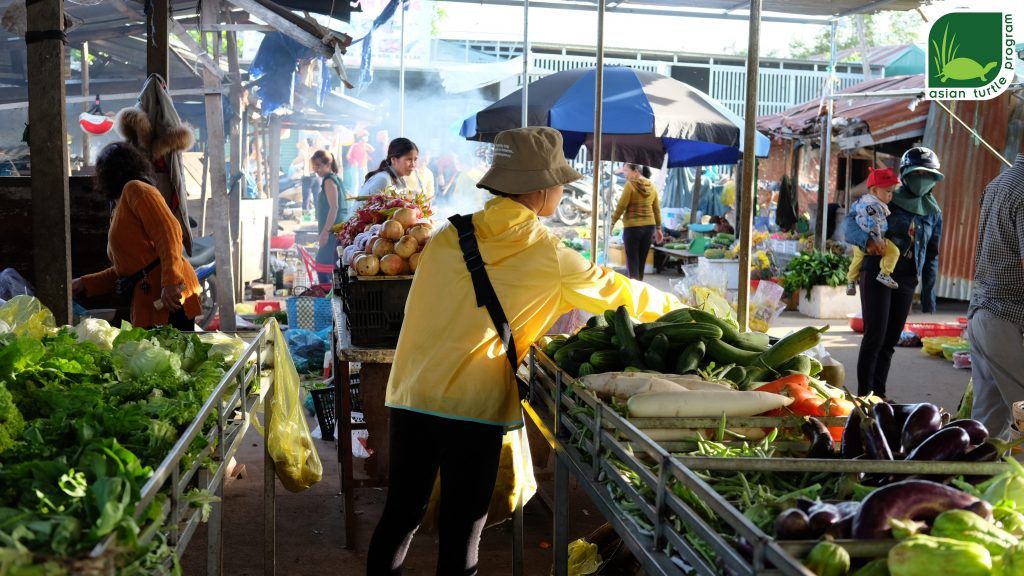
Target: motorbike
(576, 206)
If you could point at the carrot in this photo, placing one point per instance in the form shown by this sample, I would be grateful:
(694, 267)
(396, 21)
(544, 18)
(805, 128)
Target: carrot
(777, 386)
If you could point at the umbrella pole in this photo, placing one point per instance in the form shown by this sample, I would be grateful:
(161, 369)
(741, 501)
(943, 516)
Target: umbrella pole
(748, 181)
(695, 201)
(609, 200)
(821, 233)
(526, 61)
(598, 109)
(401, 74)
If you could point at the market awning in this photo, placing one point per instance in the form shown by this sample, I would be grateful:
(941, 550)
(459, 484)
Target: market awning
(857, 122)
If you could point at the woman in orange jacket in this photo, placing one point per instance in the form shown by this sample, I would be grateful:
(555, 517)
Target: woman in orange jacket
(143, 244)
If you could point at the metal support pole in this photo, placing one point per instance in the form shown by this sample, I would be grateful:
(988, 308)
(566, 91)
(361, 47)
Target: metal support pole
(747, 186)
(821, 231)
(526, 61)
(86, 139)
(598, 110)
(849, 180)
(695, 201)
(269, 496)
(401, 75)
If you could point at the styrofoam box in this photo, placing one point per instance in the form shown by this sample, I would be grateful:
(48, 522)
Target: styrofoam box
(828, 302)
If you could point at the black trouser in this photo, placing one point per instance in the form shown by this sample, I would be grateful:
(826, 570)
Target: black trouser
(885, 312)
(467, 454)
(637, 242)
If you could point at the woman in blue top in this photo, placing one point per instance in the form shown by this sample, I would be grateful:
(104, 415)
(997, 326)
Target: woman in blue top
(330, 209)
(886, 309)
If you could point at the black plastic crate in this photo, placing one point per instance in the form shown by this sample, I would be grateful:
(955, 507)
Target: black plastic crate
(323, 405)
(375, 309)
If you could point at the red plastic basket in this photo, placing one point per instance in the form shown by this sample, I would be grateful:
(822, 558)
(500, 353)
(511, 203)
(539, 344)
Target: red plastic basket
(933, 329)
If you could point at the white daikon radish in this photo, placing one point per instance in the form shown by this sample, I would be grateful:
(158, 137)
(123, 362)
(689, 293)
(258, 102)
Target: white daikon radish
(624, 385)
(704, 404)
(693, 382)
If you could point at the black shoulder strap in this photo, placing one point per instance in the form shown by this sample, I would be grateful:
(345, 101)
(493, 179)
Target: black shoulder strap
(485, 294)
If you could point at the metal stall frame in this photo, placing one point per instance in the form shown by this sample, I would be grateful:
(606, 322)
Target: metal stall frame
(584, 445)
(234, 402)
(659, 545)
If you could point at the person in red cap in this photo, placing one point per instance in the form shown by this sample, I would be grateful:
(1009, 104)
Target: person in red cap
(871, 212)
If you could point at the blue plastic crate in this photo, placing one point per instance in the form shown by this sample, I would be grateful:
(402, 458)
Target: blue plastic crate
(309, 313)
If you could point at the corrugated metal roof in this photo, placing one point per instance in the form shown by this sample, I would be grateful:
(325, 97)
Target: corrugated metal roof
(968, 167)
(876, 55)
(886, 119)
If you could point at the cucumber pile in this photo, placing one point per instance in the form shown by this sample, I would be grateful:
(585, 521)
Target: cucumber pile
(681, 342)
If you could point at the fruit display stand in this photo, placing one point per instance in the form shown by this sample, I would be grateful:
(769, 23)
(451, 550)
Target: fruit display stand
(235, 400)
(375, 368)
(598, 446)
(601, 448)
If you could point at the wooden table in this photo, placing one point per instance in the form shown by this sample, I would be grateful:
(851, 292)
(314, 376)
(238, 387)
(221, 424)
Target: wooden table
(683, 256)
(373, 382)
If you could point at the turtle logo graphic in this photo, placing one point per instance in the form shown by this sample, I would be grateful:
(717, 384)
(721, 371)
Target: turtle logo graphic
(949, 66)
(966, 59)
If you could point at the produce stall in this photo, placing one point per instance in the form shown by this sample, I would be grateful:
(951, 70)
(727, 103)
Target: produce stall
(700, 476)
(116, 444)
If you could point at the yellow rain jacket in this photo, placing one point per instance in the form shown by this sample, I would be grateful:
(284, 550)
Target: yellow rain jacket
(450, 361)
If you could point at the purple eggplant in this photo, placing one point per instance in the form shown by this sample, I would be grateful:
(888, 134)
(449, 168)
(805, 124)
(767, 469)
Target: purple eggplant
(876, 446)
(822, 518)
(902, 412)
(986, 452)
(922, 423)
(852, 446)
(946, 444)
(909, 500)
(977, 431)
(817, 433)
(886, 418)
(805, 504)
(792, 524)
(841, 529)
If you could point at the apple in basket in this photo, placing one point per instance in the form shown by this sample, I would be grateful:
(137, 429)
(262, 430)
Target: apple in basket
(407, 246)
(392, 265)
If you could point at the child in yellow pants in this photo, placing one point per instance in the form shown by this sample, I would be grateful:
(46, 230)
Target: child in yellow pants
(871, 212)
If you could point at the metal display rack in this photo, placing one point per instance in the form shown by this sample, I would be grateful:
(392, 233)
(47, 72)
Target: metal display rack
(599, 446)
(233, 403)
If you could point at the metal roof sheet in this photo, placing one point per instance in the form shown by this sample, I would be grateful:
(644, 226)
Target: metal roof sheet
(886, 118)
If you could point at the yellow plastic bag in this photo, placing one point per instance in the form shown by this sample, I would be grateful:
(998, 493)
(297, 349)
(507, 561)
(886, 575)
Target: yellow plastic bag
(288, 440)
(515, 480)
(26, 316)
(711, 300)
(583, 558)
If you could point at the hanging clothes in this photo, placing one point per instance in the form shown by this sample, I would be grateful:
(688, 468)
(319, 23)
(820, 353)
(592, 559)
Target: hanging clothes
(788, 212)
(711, 201)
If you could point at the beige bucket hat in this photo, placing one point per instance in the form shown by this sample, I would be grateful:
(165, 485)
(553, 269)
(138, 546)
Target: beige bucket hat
(527, 160)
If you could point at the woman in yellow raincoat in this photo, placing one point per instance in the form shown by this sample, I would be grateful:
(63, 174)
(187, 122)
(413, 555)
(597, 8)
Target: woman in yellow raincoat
(451, 391)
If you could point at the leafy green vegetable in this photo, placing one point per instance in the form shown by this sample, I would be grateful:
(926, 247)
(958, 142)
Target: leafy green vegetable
(816, 268)
(84, 416)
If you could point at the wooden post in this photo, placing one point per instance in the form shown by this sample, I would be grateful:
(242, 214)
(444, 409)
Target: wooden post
(85, 105)
(695, 201)
(746, 186)
(219, 196)
(51, 229)
(273, 167)
(157, 61)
